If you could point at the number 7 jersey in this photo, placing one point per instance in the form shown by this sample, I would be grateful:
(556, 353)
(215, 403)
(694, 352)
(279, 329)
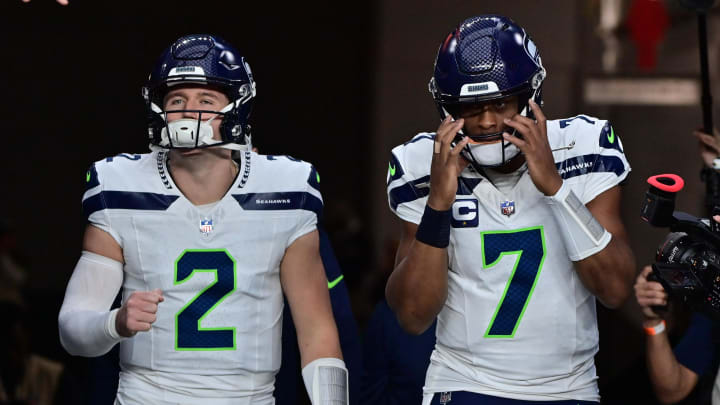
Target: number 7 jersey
(217, 265)
(517, 323)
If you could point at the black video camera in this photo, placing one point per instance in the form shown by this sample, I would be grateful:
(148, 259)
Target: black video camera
(687, 263)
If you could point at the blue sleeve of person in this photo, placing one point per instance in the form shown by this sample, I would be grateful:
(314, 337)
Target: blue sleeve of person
(697, 350)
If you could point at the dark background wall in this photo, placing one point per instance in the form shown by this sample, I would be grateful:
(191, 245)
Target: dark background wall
(71, 82)
(338, 85)
(71, 95)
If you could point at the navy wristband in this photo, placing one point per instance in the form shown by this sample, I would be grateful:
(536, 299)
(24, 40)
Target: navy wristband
(434, 228)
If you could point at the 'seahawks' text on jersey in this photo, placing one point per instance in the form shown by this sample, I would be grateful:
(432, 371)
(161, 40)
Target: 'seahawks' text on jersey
(517, 323)
(219, 326)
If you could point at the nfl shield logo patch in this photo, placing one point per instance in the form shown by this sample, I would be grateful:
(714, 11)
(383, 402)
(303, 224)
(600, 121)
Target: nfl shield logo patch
(206, 226)
(507, 208)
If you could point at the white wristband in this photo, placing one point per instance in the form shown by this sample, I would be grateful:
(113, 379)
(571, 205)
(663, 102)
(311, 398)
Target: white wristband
(110, 326)
(326, 381)
(582, 233)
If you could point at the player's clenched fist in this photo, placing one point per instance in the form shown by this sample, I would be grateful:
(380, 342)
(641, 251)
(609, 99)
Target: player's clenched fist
(138, 313)
(446, 164)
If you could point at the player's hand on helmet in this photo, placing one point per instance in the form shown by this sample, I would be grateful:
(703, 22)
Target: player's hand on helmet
(709, 146)
(649, 294)
(447, 163)
(138, 313)
(536, 148)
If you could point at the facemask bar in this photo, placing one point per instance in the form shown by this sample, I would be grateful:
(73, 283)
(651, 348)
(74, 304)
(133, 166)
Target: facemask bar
(166, 132)
(535, 84)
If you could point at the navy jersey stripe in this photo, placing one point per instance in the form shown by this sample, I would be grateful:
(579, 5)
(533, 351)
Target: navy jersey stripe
(409, 192)
(291, 200)
(594, 163)
(127, 200)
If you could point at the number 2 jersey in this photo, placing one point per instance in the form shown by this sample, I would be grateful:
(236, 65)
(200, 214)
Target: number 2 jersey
(218, 330)
(517, 323)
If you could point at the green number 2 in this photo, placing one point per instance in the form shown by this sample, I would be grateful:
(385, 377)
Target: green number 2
(528, 245)
(189, 335)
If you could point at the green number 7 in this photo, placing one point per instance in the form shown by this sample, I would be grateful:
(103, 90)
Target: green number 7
(528, 245)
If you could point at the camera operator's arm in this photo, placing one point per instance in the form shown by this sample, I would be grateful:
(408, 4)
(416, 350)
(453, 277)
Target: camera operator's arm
(609, 273)
(671, 380)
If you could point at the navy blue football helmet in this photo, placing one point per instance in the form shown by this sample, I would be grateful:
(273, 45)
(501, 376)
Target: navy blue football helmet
(205, 60)
(487, 57)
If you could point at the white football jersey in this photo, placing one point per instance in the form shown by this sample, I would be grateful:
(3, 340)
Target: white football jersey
(218, 329)
(518, 322)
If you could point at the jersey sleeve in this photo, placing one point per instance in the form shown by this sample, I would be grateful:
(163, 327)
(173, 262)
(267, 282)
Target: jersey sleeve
(408, 178)
(603, 164)
(311, 205)
(95, 209)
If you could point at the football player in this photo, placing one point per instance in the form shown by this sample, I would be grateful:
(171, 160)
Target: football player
(510, 228)
(204, 236)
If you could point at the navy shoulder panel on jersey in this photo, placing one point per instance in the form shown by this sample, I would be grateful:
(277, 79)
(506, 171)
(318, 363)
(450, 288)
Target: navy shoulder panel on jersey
(295, 184)
(592, 163)
(116, 169)
(91, 178)
(601, 149)
(608, 140)
(314, 178)
(278, 201)
(395, 169)
(127, 200)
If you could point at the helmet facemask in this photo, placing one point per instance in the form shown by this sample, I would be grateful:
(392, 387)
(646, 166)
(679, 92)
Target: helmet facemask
(193, 133)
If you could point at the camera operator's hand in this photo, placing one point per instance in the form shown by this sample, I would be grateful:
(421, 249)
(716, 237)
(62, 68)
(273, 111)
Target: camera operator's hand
(709, 146)
(649, 294)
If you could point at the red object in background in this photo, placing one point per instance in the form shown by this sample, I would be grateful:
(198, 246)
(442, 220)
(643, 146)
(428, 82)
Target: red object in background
(647, 21)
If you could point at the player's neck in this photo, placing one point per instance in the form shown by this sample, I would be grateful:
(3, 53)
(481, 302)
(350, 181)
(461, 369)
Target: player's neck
(205, 177)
